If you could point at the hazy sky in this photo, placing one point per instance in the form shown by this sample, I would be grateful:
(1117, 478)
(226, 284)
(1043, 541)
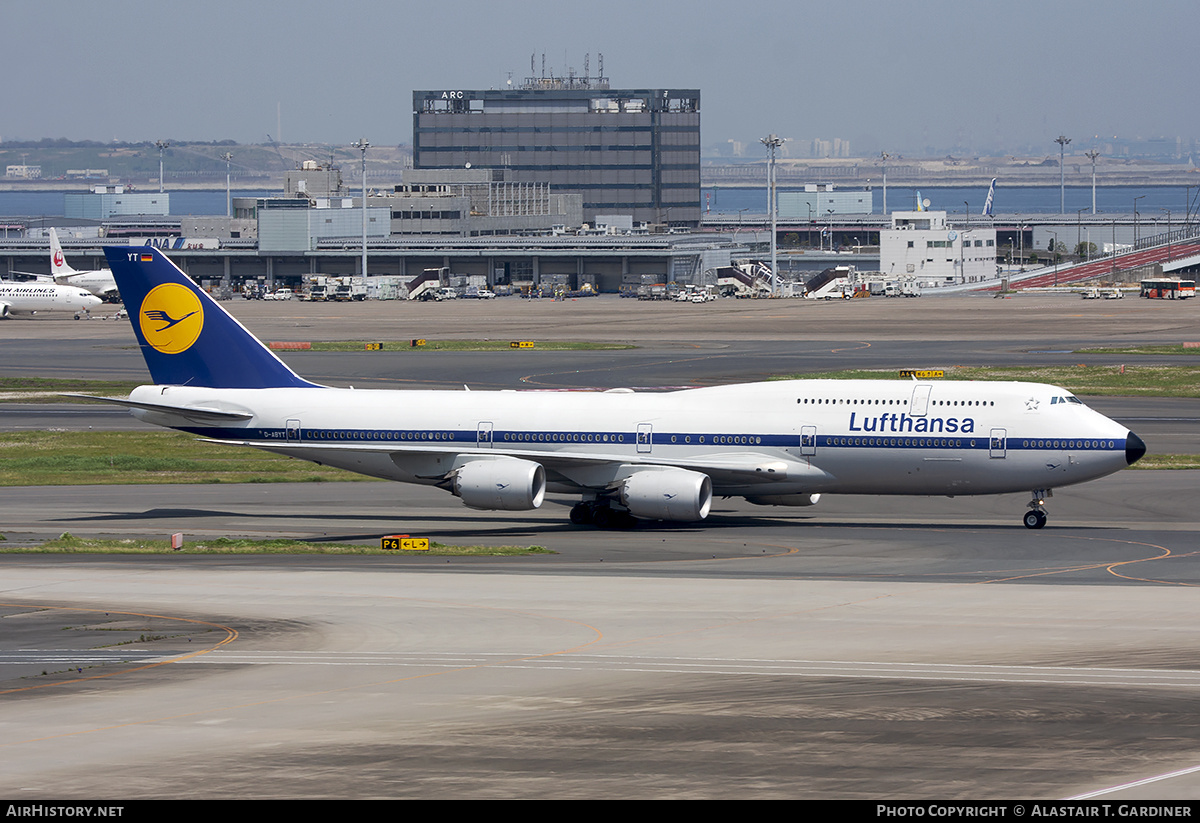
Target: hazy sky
(884, 74)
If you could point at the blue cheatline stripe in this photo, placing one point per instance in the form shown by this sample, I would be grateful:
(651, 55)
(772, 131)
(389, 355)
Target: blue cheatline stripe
(508, 437)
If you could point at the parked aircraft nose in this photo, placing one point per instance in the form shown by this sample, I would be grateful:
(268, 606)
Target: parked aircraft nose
(1135, 449)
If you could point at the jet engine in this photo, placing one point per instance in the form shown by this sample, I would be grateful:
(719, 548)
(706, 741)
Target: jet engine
(670, 494)
(509, 485)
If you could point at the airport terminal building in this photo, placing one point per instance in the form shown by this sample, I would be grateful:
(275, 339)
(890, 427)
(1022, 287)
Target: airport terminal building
(626, 151)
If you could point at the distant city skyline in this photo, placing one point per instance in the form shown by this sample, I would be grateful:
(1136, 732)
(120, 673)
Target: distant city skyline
(930, 77)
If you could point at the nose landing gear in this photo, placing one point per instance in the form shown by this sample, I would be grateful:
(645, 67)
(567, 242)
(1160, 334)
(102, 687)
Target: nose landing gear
(1035, 518)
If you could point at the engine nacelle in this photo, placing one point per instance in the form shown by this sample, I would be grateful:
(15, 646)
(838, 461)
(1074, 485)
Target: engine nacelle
(670, 494)
(785, 500)
(4, 312)
(509, 485)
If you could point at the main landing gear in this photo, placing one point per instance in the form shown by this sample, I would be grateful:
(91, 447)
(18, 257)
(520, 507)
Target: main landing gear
(601, 515)
(1035, 518)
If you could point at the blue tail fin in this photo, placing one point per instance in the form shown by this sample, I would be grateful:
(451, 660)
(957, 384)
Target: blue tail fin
(187, 339)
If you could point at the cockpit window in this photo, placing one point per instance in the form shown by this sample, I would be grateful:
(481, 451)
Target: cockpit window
(1068, 399)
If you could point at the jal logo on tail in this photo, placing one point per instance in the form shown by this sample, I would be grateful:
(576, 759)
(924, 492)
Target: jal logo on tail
(58, 258)
(171, 318)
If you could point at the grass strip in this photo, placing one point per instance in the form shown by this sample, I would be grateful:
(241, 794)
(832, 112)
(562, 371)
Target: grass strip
(1193, 351)
(465, 345)
(69, 544)
(22, 385)
(1168, 461)
(48, 458)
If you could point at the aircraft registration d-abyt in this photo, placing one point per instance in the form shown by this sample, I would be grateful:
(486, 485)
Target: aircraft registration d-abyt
(647, 455)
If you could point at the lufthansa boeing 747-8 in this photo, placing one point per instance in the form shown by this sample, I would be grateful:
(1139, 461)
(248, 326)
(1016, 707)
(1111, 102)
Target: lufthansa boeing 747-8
(628, 455)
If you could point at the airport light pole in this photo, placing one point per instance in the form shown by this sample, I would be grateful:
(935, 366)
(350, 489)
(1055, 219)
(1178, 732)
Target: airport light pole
(1114, 248)
(1092, 155)
(1168, 211)
(163, 145)
(1079, 229)
(1021, 240)
(362, 145)
(228, 158)
(1135, 219)
(885, 157)
(772, 142)
(1063, 141)
(1054, 254)
(962, 242)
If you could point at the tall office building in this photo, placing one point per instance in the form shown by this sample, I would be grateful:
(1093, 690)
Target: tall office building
(626, 151)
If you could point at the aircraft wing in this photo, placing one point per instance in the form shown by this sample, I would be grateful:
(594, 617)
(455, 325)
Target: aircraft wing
(582, 468)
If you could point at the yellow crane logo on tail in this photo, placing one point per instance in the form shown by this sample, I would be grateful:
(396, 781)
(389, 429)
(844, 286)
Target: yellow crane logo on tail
(171, 318)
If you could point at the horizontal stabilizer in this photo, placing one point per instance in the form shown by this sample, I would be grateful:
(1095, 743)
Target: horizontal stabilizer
(197, 413)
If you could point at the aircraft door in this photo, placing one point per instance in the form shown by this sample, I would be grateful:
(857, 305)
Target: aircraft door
(645, 437)
(293, 431)
(998, 443)
(920, 400)
(808, 440)
(483, 434)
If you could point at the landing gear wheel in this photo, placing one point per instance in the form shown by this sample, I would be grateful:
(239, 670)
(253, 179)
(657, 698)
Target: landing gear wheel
(1035, 519)
(603, 517)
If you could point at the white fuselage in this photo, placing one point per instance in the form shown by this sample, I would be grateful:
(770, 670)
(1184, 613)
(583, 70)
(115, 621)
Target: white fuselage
(99, 282)
(26, 298)
(764, 441)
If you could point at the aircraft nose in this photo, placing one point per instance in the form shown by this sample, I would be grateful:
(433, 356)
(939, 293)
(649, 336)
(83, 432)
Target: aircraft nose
(1135, 448)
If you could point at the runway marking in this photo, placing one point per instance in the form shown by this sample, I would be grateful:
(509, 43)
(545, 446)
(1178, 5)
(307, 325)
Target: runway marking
(1108, 565)
(230, 636)
(862, 345)
(870, 669)
(1168, 554)
(1143, 782)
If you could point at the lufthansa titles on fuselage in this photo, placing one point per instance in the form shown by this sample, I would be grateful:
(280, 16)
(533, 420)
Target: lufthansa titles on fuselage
(903, 424)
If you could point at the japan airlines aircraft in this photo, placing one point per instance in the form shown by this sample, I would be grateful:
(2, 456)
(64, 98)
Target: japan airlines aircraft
(99, 282)
(30, 298)
(659, 456)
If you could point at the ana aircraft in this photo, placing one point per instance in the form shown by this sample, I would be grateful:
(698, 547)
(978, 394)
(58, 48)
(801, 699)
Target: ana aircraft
(99, 282)
(660, 456)
(30, 298)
